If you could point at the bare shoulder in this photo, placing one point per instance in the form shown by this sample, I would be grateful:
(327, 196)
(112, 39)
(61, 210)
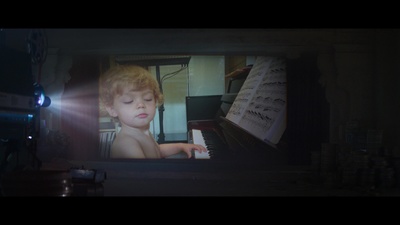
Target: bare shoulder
(126, 147)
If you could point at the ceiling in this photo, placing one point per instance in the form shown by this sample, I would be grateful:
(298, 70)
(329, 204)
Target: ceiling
(168, 41)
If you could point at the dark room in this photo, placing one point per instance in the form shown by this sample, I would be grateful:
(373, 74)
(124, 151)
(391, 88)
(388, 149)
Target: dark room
(242, 112)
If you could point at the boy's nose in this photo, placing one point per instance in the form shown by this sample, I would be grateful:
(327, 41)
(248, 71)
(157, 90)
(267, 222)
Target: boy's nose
(141, 105)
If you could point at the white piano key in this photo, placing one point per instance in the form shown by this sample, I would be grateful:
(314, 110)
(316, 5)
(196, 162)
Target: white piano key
(199, 140)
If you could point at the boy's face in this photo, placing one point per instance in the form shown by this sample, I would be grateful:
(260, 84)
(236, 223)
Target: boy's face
(134, 108)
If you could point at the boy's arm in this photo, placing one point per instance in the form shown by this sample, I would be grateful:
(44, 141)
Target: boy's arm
(174, 148)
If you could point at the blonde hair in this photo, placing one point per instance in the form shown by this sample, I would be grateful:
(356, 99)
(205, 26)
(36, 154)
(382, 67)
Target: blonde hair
(116, 78)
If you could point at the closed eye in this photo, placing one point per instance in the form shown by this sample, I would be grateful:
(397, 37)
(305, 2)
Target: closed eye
(128, 102)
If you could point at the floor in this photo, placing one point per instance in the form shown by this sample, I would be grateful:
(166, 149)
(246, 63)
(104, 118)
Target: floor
(127, 178)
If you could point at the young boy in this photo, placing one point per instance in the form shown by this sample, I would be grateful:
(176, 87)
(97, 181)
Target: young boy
(131, 95)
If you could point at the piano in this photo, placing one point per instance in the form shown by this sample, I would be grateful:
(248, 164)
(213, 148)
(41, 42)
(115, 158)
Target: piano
(227, 142)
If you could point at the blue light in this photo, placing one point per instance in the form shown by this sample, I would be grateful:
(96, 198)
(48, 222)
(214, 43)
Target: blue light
(40, 98)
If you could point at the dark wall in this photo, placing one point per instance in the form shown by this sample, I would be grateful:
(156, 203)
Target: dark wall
(80, 111)
(308, 110)
(15, 72)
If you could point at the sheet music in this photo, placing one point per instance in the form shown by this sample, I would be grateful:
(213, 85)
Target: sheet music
(260, 106)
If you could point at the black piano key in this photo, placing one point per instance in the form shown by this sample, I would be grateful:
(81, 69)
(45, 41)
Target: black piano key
(214, 144)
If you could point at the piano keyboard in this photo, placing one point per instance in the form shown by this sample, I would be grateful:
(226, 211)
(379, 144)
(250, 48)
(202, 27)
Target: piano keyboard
(216, 147)
(199, 140)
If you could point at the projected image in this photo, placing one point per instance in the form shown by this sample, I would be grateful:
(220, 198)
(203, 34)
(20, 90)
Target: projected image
(77, 126)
